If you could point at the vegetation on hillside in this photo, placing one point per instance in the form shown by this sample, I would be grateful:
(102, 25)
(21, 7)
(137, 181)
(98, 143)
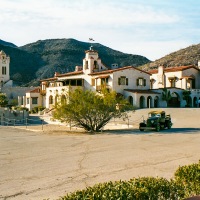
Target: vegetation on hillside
(2, 42)
(41, 59)
(186, 56)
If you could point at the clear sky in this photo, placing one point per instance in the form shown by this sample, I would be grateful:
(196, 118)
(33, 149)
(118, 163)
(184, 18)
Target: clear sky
(151, 28)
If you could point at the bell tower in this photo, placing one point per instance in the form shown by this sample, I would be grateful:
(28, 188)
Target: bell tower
(4, 68)
(92, 63)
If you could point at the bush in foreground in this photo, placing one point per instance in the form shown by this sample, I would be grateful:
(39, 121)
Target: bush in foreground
(186, 183)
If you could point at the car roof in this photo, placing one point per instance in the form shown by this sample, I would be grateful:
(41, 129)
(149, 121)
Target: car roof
(157, 112)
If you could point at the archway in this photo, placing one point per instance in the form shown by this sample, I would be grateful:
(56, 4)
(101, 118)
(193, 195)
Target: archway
(130, 100)
(195, 102)
(149, 102)
(156, 101)
(142, 102)
(190, 101)
(174, 101)
(56, 100)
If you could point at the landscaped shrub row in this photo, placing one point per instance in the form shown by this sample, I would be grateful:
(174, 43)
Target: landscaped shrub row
(185, 184)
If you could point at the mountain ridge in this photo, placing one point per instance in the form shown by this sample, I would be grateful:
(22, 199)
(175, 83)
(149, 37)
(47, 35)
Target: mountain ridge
(183, 57)
(45, 57)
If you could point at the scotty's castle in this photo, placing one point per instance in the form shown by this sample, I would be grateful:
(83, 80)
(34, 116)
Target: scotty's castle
(142, 88)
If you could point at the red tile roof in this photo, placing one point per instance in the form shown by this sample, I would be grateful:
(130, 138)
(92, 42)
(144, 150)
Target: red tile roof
(118, 69)
(71, 73)
(36, 90)
(49, 79)
(173, 69)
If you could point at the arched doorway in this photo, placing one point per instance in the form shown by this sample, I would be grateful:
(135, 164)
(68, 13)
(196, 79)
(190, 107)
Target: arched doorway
(174, 101)
(190, 101)
(149, 102)
(195, 102)
(156, 100)
(130, 100)
(142, 102)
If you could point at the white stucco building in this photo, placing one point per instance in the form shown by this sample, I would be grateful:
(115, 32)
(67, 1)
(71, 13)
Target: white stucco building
(141, 88)
(178, 79)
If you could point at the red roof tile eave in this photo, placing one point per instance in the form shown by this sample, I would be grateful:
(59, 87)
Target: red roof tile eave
(118, 69)
(71, 74)
(174, 69)
(61, 75)
(49, 79)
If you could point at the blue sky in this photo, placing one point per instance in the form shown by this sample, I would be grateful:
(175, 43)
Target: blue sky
(151, 28)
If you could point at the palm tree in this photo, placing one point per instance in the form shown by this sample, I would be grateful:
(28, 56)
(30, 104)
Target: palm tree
(186, 97)
(166, 95)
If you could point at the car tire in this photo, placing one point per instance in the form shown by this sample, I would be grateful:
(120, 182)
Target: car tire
(169, 125)
(141, 129)
(158, 127)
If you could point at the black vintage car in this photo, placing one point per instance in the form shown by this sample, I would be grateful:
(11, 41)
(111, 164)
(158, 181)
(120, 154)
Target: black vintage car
(157, 120)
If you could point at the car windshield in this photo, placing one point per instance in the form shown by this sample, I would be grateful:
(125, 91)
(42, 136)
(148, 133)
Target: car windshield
(154, 115)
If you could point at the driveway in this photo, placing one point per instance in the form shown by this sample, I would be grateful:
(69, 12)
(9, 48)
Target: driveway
(38, 165)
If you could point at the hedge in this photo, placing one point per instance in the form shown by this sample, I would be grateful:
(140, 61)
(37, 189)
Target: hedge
(186, 183)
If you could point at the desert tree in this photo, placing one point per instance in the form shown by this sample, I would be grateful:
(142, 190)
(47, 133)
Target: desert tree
(91, 110)
(3, 100)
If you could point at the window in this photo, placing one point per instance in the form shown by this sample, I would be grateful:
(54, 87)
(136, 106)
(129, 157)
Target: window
(27, 101)
(141, 82)
(93, 82)
(86, 64)
(104, 81)
(123, 80)
(3, 70)
(95, 65)
(34, 100)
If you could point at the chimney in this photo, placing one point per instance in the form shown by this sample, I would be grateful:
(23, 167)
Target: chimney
(114, 66)
(160, 70)
(56, 74)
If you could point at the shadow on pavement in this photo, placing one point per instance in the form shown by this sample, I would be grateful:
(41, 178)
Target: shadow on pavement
(166, 131)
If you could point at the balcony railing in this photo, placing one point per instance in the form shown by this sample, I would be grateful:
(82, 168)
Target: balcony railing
(100, 87)
(194, 91)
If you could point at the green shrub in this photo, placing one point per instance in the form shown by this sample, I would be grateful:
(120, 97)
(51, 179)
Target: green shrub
(186, 183)
(37, 109)
(138, 188)
(19, 108)
(189, 177)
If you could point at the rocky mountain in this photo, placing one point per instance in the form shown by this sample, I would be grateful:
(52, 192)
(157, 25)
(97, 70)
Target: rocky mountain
(39, 60)
(186, 56)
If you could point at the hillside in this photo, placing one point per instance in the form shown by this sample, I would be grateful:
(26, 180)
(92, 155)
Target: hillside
(39, 60)
(2, 42)
(186, 56)
(23, 65)
(62, 55)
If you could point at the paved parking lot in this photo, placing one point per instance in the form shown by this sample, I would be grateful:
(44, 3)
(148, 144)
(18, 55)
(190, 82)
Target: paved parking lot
(38, 165)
